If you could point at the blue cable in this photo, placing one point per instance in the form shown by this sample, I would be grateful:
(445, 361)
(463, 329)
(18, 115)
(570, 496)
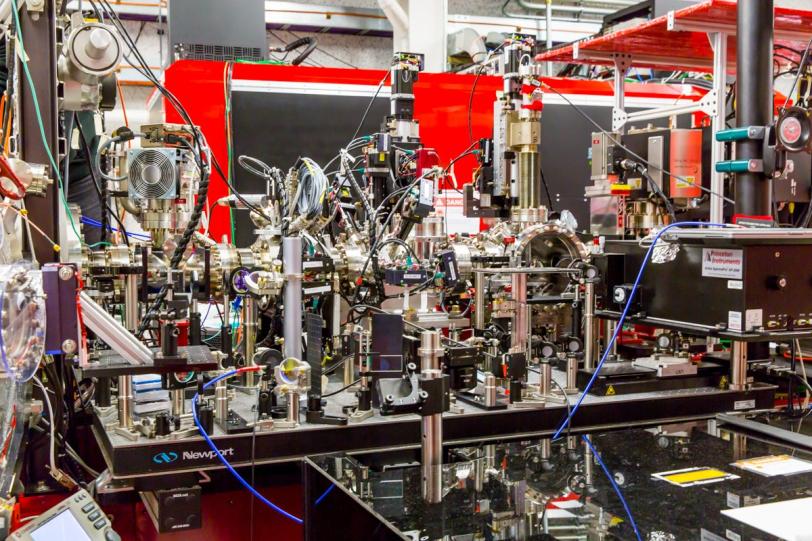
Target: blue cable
(93, 223)
(324, 494)
(226, 463)
(614, 486)
(622, 319)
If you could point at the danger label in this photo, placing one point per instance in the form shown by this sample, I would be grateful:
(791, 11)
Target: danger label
(718, 263)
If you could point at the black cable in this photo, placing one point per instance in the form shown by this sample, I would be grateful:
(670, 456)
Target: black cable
(546, 189)
(326, 53)
(801, 67)
(341, 390)
(669, 207)
(374, 245)
(311, 43)
(105, 206)
(637, 156)
(335, 366)
(369, 106)
(473, 90)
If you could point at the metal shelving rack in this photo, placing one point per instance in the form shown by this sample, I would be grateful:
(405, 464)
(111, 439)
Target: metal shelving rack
(696, 38)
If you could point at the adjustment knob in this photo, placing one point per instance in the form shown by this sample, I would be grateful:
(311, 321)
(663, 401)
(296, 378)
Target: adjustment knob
(777, 282)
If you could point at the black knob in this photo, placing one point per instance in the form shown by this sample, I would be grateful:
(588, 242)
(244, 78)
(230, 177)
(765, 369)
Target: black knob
(162, 425)
(777, 282)
(205, 414)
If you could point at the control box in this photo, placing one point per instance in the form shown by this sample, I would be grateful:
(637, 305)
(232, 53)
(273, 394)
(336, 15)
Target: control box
(728, 281)
(174, 509)
(76, 518)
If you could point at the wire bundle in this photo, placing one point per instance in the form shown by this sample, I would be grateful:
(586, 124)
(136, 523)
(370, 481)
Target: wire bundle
(312, 189)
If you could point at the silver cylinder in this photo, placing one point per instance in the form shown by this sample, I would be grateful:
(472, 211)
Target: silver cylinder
(489, 387)
(349, 371)
(430, 352)
(611, 325)
(131, 302)
(479, 300)
(249, 311)
(546, 448)
(572, 372)
(589, 466)
(125, 402)
(738, 366)
(432, 455)
(221, 401)
(545, 378)
(363, 358)
(178, 398)
(520, 331)
(293, 408)
(590, 337)
(292, 259)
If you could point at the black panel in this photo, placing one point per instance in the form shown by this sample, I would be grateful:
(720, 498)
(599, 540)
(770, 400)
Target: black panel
(565, 141)
(279, 128)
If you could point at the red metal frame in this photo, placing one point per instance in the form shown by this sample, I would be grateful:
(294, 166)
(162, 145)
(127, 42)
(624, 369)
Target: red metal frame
(441, 105)
(690, 51)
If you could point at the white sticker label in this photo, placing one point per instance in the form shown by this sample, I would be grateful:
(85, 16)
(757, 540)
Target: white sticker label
(719, 263)
(739, 405)
(426, 192)
(734, 321)
(753, 319)
(733, 536)
(733, 500)
(735, 284)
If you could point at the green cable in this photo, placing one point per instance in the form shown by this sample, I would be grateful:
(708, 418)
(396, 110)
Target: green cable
(100, 244)
(230, 156)
(24, 62)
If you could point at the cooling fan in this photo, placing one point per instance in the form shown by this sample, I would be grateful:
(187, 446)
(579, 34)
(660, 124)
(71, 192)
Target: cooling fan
(153, 173)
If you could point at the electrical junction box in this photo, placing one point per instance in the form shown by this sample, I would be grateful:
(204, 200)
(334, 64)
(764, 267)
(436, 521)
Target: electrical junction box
(739, 283)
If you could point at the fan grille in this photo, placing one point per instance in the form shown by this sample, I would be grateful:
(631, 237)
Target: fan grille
(152, 174)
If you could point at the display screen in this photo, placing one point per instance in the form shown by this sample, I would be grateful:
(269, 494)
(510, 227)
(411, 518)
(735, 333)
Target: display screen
(63, 527)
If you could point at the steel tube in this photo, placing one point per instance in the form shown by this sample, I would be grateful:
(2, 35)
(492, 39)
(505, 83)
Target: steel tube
(250, 340)
(432, 458)
(221, 401)
(131, 302)
(569, 9)
(519, 333)
(589, 326)
(545, 377)
(292, 261)
(754, 100)
(489, 386)
(431, 425)
(178, 398)
(293, 408)
(738, 366)
(479, 301)
(125, 402)
(719, 43)
(572, 373)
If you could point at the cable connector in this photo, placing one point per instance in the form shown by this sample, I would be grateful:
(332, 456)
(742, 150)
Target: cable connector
(63, 479)
(123, 134)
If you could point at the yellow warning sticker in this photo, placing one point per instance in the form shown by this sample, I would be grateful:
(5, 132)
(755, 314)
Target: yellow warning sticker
(610, 391)
(694, 476)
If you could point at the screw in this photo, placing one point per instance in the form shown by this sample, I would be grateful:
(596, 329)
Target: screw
(69, 346)
(66, 273)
